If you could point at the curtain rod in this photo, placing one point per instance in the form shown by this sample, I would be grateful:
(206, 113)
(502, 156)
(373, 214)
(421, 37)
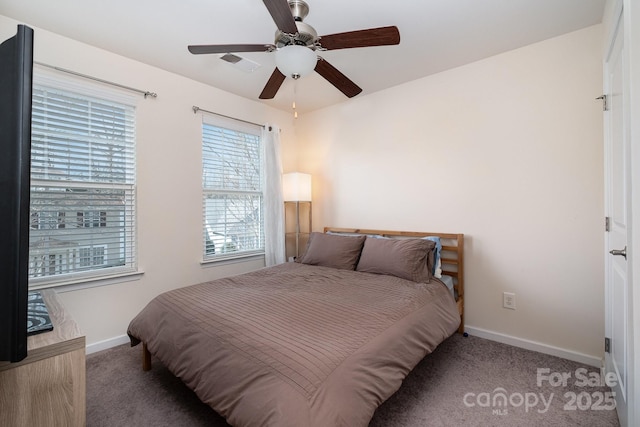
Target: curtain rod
(196, 109)
(144, 92)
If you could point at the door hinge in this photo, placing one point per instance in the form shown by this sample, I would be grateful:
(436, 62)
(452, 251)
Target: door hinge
(607, 345)
(607, 224)
(605, 106)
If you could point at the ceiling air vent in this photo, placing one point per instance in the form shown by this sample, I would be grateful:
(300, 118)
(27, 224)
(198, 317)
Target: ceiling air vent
(241, 63)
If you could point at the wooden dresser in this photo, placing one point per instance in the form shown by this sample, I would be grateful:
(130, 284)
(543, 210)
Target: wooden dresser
(48, 387)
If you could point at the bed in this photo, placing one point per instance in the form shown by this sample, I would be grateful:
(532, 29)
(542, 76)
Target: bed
(319, 342)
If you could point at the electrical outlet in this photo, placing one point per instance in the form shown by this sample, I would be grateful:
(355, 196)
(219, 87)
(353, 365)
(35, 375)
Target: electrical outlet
(509, 300)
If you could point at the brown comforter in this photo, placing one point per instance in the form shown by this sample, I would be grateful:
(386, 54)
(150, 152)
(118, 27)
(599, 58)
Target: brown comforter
(296, 345)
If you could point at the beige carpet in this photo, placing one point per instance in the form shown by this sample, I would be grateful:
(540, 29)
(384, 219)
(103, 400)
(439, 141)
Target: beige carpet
(465, 382)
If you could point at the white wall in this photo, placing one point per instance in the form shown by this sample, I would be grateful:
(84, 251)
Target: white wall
(169, 178)
(509, 151)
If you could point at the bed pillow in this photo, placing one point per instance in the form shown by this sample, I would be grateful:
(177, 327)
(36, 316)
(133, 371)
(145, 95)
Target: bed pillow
(410, 259)
(437, 251)
(331, 250)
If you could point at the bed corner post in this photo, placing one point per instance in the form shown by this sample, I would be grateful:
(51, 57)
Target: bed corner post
(146, 358)
(460, 244)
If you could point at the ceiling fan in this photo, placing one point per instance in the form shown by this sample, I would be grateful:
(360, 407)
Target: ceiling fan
(296, 44)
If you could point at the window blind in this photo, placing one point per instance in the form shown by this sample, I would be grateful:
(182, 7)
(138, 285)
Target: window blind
(82, 187)
(232, 184)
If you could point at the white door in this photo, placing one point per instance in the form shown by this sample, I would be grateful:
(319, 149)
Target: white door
(618, 201)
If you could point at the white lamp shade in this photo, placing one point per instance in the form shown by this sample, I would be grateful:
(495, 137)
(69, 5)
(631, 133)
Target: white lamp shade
(296, 187)
(295, 60)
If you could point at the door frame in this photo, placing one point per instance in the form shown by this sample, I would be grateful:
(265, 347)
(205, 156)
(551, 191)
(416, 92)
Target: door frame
(631, 37)
(615, 238)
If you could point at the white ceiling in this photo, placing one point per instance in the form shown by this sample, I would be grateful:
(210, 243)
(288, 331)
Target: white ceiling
(436, 35)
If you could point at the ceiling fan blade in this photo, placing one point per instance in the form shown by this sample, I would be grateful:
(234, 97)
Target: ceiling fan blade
(272, 86)
(336, 78)
(382, 36)
(228, 48)
(281, 14)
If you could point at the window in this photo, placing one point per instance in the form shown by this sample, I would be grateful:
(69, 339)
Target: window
(232, 189)
(92, 219)
(82, 184)
(92, 256)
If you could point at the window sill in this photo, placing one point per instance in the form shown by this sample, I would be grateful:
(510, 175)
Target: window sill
(91, 282)
(231, 260)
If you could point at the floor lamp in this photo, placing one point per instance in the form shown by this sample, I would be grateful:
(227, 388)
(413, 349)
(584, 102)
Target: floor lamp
(297, 212)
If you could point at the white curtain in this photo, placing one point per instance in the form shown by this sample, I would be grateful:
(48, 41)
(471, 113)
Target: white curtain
(273, 201)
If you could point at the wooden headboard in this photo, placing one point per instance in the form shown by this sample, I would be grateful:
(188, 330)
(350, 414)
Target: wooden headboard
(452, 257)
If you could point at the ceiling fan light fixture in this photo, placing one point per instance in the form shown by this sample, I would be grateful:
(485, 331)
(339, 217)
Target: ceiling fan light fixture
(296, 61)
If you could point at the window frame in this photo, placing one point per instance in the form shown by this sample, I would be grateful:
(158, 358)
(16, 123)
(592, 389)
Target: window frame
(250, 129)
(43, 77)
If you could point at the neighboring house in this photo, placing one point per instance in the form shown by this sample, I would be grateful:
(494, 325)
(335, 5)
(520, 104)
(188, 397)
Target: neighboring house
(231, 229)
(64, 241)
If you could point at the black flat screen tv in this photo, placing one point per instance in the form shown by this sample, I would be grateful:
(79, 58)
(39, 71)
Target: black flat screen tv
(16, 76)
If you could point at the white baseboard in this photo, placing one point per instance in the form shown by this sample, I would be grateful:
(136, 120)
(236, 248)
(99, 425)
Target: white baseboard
(106, 344)
(535, 346)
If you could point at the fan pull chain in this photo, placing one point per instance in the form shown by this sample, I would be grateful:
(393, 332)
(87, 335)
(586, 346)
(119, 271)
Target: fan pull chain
(295, 92)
